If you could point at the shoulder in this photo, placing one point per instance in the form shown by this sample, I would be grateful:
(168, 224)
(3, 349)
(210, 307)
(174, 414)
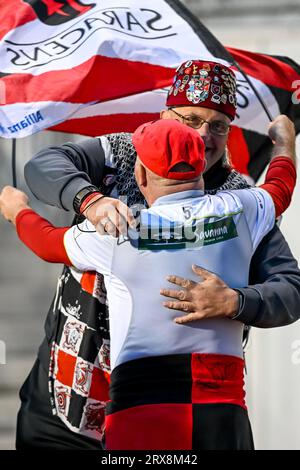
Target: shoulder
(117, 140)
(255, 196)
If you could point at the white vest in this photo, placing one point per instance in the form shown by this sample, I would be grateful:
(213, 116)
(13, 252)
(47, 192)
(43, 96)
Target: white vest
(219, 233)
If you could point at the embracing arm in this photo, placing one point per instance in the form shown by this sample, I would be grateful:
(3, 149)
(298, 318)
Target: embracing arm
(41, 237)
(272, 299)
(280, 182)
(273, 296)
(78, 246)
(56, 174)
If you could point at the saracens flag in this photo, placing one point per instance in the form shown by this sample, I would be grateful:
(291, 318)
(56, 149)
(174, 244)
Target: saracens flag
(102, 66)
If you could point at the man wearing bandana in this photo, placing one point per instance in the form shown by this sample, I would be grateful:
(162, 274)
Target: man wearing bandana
(71, 177)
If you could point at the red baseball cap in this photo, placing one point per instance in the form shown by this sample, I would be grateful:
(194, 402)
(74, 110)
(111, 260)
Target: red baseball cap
(206, 84)
(162, 144)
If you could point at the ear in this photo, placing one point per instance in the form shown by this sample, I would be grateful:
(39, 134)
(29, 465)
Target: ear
(140, 174)
(164, 114)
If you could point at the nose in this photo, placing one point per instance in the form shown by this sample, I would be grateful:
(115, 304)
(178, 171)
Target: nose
(204, 130)
(204, 133)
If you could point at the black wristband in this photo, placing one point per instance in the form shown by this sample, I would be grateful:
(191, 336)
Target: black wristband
(241, 304)
(82, 195)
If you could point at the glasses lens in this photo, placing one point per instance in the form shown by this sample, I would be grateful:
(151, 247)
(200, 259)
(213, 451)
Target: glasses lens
(194, 122)
(219, 127)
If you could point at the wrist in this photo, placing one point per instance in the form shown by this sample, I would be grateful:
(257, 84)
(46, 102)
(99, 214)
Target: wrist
(81, 197)
(88, 200)
(284, 150)
(17, 211)
(234, 303)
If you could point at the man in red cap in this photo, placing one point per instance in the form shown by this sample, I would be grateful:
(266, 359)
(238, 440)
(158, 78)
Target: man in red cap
(71, 177)
(172, 387)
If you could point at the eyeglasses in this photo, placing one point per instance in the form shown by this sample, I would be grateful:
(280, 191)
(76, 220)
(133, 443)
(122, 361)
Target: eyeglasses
(215, 127)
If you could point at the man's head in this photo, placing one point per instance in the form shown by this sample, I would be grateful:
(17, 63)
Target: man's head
(203, 96)
(170, 158)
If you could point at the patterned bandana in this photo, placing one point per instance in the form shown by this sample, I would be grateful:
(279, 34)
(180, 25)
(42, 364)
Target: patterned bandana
(206, 84)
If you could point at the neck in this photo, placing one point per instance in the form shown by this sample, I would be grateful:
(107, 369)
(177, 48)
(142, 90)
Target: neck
(216, 175)
(157, 192)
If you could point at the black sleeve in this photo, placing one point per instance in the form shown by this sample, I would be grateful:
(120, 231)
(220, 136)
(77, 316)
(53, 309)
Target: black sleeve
(56, 174)
(273, 296)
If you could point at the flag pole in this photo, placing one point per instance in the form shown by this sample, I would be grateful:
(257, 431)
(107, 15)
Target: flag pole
(13, 162)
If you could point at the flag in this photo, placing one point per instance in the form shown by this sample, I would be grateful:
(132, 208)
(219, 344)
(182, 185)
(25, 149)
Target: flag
(281, 76)
(95, 67)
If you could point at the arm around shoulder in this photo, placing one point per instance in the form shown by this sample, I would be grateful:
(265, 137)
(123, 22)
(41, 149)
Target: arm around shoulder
(56, 174)
(273, 297)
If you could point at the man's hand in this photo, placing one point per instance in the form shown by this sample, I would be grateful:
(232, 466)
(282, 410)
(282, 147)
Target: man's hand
(109, 216)
(282, 133)
(209, 298)
(12, 201)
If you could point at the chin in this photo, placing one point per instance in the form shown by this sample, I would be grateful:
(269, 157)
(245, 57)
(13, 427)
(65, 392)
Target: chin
(211, 158)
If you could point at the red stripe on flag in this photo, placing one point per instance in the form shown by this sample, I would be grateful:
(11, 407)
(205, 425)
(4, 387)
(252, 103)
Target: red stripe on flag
(271, 71)
(98, 79)
(238, 149)
(14, 13)
(100, 125)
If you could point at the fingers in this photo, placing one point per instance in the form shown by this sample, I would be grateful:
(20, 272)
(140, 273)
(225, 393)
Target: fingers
(124, 214)
(110, 226)
(182, 282)
(175, 294)
(100, 229)
(202, 272)
(128, 216)
(13, 193)
(178, 305)
(115, 224)
(188, 283)
(113, 216)
(6, 190)
(187, 318)
(107, 227)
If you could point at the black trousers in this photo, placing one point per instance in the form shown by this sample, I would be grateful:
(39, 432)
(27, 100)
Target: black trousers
(37, 427)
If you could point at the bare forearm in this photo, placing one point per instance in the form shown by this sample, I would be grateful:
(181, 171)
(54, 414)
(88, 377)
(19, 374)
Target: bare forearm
(287, 149)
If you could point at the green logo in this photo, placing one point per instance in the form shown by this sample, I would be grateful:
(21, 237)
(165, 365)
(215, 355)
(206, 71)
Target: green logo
(192, 235)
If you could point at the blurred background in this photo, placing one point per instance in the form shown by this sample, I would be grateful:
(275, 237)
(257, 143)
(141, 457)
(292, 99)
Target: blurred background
(27, 284)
